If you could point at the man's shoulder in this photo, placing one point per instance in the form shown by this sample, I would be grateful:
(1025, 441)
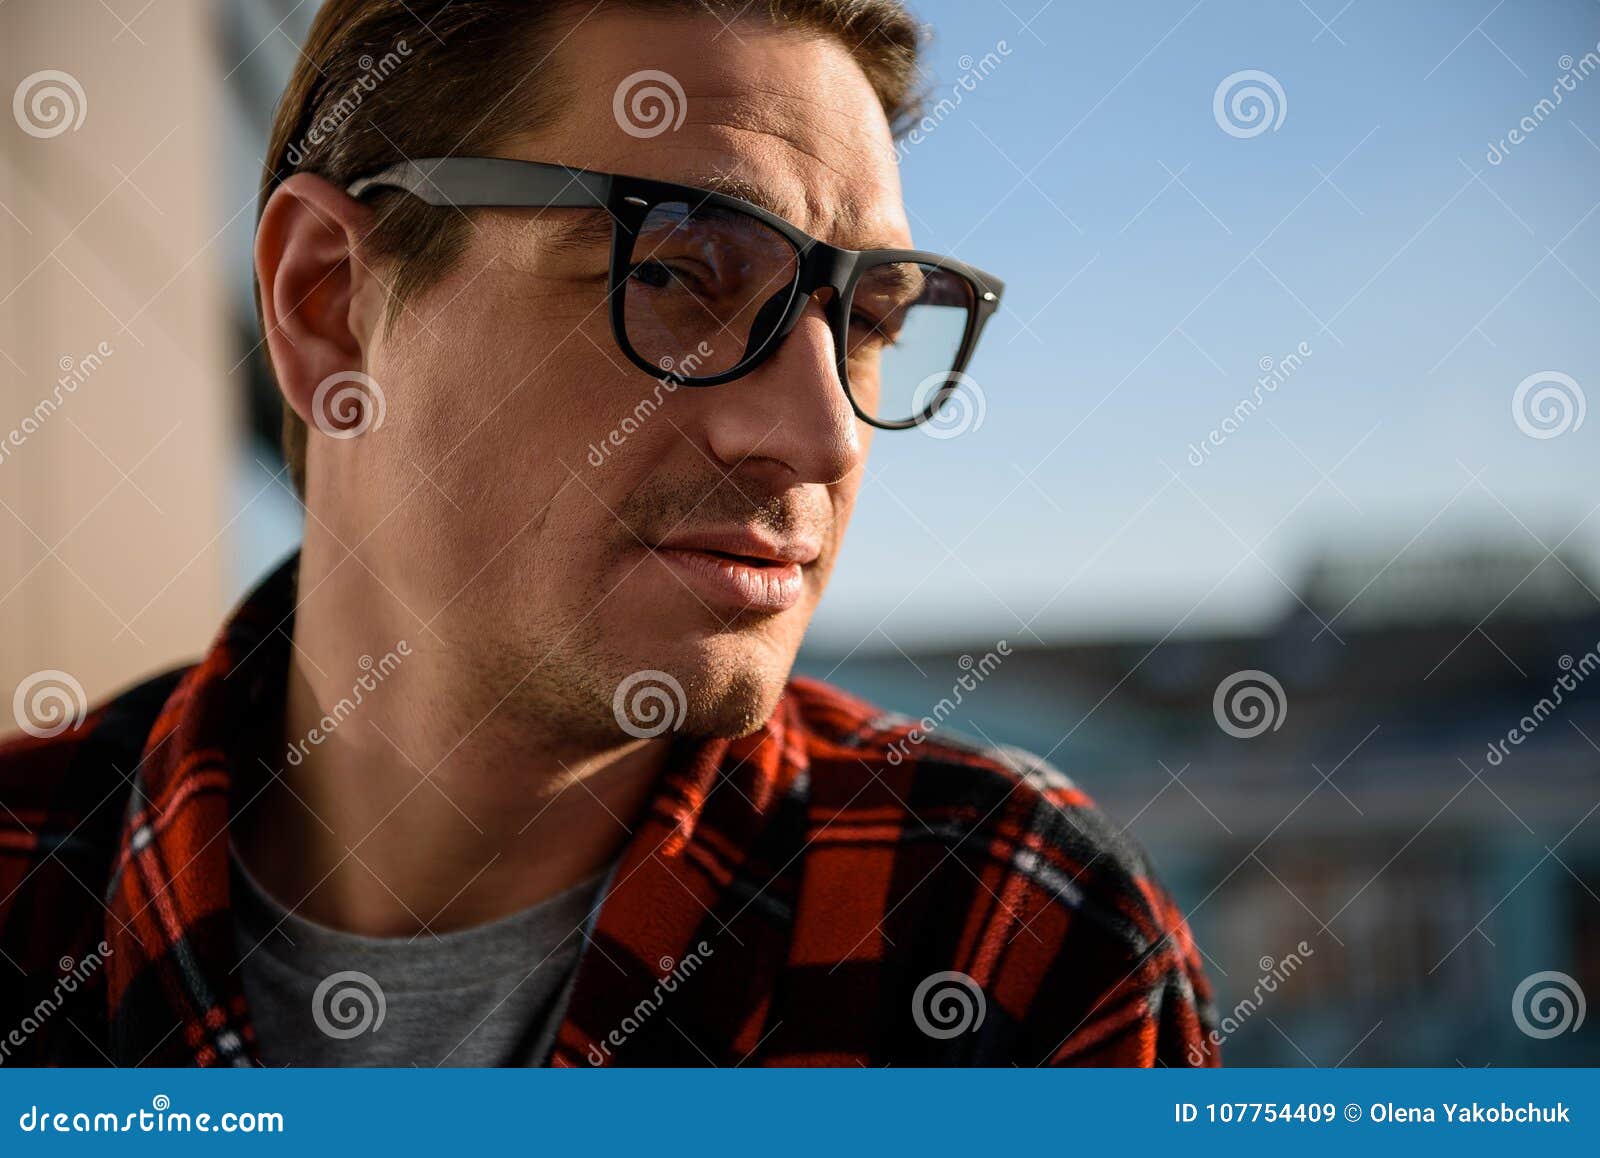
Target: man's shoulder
(981, 800)
(939, 857)
(64, 780)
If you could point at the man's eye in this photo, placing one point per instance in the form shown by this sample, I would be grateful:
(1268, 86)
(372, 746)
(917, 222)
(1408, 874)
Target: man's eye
(653, 274)
(661, 275)
(867, 330)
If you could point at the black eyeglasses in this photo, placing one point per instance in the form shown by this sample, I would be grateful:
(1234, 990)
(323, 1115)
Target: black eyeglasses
(704, 286)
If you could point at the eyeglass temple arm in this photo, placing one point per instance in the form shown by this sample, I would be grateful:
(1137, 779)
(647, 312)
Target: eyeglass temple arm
(491, 181)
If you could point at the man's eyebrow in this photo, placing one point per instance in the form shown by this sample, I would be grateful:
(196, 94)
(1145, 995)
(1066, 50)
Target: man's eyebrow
(580, 232)
(901, 280)
(847, 217)
(732, 185)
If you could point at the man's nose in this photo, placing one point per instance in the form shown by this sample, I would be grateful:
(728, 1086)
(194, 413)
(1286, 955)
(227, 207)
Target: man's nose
(791, 410)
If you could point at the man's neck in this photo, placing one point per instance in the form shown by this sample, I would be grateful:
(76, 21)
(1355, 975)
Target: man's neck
(396, 801)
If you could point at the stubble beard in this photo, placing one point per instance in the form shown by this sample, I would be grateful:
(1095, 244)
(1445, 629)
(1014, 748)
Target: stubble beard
(583, 694)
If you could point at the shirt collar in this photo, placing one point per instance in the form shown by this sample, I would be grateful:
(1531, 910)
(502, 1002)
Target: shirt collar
(174, 985)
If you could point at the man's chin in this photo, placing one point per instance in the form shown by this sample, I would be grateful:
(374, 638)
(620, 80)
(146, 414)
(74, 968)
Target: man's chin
(731, 716)
(711, 697)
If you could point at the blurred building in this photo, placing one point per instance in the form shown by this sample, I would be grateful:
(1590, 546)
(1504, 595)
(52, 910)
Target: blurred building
(1369, 823)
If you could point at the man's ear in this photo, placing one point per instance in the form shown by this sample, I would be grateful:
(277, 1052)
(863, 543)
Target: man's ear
(320, 305)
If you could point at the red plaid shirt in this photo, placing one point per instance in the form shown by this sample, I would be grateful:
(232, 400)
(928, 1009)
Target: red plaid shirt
(796, 897)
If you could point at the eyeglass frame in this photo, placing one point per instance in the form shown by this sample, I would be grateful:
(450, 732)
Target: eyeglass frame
(509, 183)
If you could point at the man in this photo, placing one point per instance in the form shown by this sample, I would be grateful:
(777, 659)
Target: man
(585, 316)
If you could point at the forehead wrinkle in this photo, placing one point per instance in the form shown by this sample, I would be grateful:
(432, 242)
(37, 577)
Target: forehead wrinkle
(847, 224)
(737, 111)
(850, 213)
(734, 185)
(818, 132)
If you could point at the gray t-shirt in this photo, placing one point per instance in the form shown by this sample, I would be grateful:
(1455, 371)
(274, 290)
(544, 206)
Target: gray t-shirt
(493, 995)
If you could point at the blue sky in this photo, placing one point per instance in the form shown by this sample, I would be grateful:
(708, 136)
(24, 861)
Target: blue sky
(1153, 260)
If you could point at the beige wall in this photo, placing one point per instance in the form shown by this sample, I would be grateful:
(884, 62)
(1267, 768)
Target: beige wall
(111, 543)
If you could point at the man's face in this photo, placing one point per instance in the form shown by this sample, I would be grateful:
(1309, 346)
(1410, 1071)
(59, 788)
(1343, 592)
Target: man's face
(557, 537)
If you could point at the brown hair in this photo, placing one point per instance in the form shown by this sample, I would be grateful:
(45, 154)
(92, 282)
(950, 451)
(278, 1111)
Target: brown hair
(378, 80)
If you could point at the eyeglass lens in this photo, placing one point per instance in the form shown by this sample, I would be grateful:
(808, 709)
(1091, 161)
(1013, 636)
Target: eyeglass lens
(708, 287)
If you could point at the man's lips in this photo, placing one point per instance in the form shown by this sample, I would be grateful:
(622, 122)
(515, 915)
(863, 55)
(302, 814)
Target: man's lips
(740, 569)
(744, 543)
